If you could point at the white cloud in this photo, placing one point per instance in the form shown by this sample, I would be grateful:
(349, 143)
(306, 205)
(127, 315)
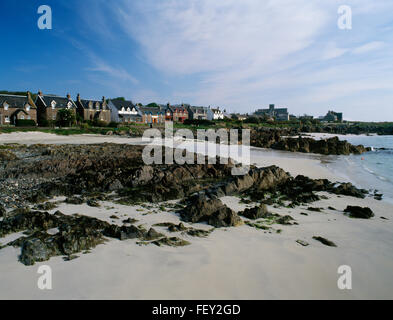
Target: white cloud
(113, 72)
(371, 46)
(244, 54)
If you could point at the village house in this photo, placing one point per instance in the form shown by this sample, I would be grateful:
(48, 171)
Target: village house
(332, 116)
(93, 109)
(15, 107)
(178, 113)
(279, 114)
(124, 111)
(49, 105)
(198, 113)
(152, 115)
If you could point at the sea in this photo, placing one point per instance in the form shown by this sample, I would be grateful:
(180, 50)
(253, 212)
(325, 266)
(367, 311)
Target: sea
(371, 170)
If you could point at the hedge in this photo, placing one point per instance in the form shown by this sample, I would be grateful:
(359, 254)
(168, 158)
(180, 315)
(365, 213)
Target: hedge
(25, 123)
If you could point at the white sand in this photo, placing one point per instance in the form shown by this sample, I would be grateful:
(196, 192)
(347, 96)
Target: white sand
(232, 263)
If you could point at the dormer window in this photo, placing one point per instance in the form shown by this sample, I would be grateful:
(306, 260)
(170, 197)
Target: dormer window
(53, 104)
(27, 107)
(122, 110)
(90, 105)
(6, 106)
(69, 105)
(97, 105)
(128, 110)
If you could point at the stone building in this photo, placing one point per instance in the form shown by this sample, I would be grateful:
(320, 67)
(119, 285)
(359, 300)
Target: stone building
(15, 107)
(176, 113)
(90, 110)
(49, 105)
(332, 116)
(152, 115)
(198, 113)
(279, 114)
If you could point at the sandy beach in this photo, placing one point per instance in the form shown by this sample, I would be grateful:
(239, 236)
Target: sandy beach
(232, 263)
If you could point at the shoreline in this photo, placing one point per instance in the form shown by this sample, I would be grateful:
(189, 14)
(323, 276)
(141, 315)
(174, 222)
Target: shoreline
(309, 164)
(232, 263)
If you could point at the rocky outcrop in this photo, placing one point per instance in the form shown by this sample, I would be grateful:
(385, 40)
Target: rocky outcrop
(256, 212)
(202, 209)
(280, 139)
(359, 212)
(323, 146)
(2, 211)
(75, 233)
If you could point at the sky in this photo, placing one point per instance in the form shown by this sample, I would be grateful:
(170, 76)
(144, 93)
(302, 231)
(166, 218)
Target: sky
(240, 55)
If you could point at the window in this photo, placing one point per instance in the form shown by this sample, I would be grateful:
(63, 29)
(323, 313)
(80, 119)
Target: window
(5, 106)
(53, 104)
(28, 117)
(27, 107)
(69, 105)
(7, 119)
(22, 117)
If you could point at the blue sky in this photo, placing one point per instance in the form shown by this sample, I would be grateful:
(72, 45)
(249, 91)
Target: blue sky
(240, 55)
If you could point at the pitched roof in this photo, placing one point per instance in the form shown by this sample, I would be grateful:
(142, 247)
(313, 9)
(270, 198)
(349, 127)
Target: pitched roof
(195, 109)
(14, 101)
(119, 104)
(61, 102)
(85, 103)
(153, 110)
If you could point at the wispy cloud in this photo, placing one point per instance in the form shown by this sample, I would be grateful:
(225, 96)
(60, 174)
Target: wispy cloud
(114, 72)
(244, 54)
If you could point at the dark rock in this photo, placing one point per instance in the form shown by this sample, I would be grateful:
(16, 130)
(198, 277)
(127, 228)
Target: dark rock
(347, 189)
(302, 242)
(213, 211)
(314, 209)
(130, 220)
(198, 232)
(34, 250)
(124, 232)
(324, 241)
(45, 206)
(285, 220)
(177, 227)
(93, 203)
(172, 242)
(2, 211)
(359, 212)
(74, 200)
(153, 234)
(115, 185)
(224, 217)
(256, 212)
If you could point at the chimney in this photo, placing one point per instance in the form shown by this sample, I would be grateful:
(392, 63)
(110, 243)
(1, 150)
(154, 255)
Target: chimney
(103, 101)
(78, 97)
(40, 93)
(68, 96)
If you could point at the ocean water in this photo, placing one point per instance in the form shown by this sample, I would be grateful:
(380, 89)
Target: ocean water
(371, 170)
